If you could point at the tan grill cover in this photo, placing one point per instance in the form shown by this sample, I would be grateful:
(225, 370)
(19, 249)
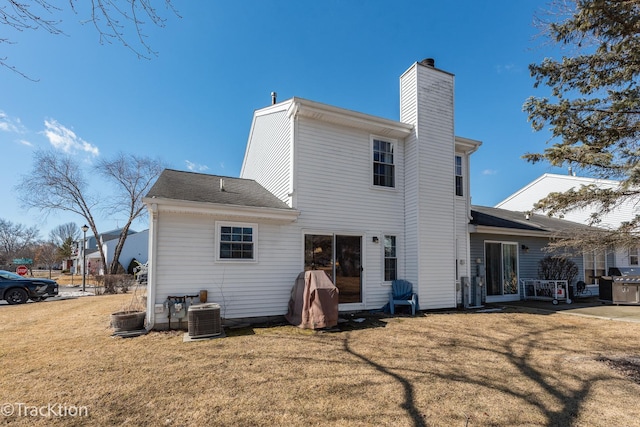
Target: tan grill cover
(314, 301)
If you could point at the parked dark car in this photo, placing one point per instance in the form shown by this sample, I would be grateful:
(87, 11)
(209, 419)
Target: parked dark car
(16, 289)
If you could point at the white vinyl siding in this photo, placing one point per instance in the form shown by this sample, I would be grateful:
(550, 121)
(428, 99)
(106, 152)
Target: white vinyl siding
(335, 195)
(268, 158)
(524, 199)
(462, 214)
(409, 114)
(462, 239)
(427, 102)
(186, 264)
(336, 190)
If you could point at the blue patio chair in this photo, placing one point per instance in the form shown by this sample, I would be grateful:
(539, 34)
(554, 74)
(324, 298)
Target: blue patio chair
(402, 294)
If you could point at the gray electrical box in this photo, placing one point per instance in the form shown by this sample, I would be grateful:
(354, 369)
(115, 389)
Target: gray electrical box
(472, 295)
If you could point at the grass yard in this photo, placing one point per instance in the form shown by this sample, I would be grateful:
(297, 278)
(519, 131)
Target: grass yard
(443, 369)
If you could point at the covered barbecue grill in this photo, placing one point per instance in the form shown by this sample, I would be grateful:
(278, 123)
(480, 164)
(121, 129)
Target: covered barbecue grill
(314, 301)
(622, 286)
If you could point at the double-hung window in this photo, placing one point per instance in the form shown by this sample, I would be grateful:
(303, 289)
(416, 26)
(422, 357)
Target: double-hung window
(383, 165)
(633, 256)
(459, 181)
(237, 241)
(390, 259)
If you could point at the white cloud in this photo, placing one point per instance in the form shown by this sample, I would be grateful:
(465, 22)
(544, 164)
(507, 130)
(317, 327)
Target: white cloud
(506, 68)
(7, 124)
(194, 167)
(25, 142)
(489, 172)
(64, 139)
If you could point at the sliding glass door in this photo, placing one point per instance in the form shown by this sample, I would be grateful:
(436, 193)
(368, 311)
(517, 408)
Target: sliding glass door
(340, 256)
(501, 261)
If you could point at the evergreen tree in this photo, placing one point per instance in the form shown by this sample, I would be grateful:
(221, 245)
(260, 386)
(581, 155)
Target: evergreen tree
(592, 111)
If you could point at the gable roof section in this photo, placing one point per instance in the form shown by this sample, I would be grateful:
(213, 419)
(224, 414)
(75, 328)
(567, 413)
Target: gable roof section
(202, 192)
(531, 193)
(502, 221)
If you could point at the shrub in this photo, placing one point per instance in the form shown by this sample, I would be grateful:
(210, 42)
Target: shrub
(114, 283)
(557, 268)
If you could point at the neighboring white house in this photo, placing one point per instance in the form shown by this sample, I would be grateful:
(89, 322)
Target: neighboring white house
(136, 246)
(525, 198)
(366, 199)
(596, 263)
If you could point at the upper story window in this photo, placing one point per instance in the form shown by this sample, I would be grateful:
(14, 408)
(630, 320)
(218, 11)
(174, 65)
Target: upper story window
(459, 182)
(383, 166)
(633, 256)
(237, 241)
(390, 259)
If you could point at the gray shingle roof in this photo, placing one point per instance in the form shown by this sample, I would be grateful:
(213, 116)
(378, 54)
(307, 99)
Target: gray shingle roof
(502, 218)
(198, 187)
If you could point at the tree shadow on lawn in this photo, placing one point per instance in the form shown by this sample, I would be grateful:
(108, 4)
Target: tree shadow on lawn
(518, 352)
(557, 393)
(409, 404)
(559, 402)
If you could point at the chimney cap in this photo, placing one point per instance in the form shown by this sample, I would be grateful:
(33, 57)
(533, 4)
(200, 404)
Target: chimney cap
(429, 62)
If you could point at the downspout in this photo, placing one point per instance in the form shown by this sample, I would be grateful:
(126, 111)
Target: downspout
(151, 272)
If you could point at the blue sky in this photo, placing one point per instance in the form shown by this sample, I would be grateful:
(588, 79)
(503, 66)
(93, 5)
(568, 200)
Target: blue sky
(192, 105)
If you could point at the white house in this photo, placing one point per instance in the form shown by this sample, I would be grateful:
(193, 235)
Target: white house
(365, 198)
(135, 246)
(525, 198)
(596, 263)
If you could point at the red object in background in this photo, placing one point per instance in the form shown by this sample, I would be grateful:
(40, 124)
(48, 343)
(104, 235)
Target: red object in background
(22, 270)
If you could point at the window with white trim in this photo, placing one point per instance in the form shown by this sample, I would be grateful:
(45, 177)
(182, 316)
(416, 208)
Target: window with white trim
(383, 166)
(633, 256)
(390, 259)
(459, 181)
(237, 242)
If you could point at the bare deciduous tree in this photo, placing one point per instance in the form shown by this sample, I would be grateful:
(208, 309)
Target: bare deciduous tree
(57, 183)
(47, 255)
(112, 19)
(63, 232)
(63, 237)
(15, 240)
(133, 176)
